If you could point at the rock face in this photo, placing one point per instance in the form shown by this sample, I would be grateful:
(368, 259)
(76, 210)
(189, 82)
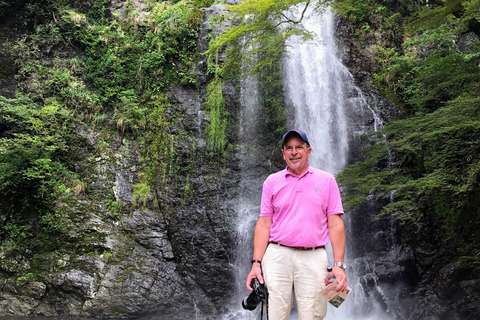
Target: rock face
(167, 257)
(358, 59)
(410, 265)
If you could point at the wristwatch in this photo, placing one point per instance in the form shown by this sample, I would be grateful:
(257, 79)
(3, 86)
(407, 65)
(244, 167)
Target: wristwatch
(340, 264)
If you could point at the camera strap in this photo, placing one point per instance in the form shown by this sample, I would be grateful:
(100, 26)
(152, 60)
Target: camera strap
(266, 302)
(261, 311)
(264, 305)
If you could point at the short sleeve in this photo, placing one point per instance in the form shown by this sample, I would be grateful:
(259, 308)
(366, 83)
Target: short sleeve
(266, 206)
(334, 205)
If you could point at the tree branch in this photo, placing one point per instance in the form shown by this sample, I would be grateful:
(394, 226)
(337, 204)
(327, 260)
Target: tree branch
(288, 20)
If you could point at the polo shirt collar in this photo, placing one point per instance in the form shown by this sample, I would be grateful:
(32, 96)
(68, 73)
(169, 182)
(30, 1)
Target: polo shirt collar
(309, 171)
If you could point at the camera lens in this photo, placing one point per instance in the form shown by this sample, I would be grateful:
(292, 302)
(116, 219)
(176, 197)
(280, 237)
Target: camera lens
(255, 297)
(247, 305)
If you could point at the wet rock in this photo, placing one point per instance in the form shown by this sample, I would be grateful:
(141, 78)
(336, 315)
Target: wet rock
(35, 290)
(358, 59)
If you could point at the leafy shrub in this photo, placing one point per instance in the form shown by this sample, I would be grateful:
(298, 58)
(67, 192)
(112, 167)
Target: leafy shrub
(34, 164)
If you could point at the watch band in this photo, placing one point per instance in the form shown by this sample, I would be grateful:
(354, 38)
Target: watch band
(340, 264)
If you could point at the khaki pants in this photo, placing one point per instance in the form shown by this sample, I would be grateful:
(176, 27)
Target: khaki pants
(288, 270)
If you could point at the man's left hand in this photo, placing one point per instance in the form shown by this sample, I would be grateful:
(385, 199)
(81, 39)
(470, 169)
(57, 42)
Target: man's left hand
(341, 277)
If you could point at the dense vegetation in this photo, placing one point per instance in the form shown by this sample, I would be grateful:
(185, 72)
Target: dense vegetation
(35, 169)
(109, 74)
(429, 161)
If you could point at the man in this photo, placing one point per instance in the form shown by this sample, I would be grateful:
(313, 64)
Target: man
(301, 208)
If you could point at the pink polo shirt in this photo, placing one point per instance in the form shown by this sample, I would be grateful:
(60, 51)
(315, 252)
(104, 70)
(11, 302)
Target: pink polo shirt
(299, 206)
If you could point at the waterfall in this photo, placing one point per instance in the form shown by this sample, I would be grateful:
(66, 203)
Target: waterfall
(248, 199)
(322, 100)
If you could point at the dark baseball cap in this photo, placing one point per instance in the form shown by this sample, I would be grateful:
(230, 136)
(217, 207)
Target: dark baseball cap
(299, 133)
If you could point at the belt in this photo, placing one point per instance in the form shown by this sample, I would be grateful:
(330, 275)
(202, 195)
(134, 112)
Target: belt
(298, 248)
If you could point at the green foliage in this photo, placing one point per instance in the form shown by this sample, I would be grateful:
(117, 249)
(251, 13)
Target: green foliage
(107, 255)
(70, 90)
(129, 112)
(215, 105)
(463, 14)
(140, 56)
(128, 7)
(441, 79)
(116, 208)
(203, 3)
(258, 40)
(61, 80)
(355, 10)
(392, 23)
(29, 277)
(34, 166)
(432, 72)
(141, 191)
(439, 166)
(98, 12)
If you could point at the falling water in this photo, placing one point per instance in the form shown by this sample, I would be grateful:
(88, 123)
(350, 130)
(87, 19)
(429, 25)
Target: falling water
(248, 200)
(322, 100)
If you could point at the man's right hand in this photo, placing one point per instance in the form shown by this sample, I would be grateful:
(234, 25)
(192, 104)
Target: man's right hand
(260, 243)
(255, 272)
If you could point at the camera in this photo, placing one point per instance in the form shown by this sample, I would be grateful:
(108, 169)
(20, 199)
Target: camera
(258, 294)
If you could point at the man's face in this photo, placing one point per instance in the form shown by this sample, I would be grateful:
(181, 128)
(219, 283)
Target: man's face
(296, 153)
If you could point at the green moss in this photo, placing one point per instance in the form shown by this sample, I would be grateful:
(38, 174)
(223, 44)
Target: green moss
(141, 191)
(119, 309)
(128, 7)
(29, 277)
(215, 105)
(115, 209)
